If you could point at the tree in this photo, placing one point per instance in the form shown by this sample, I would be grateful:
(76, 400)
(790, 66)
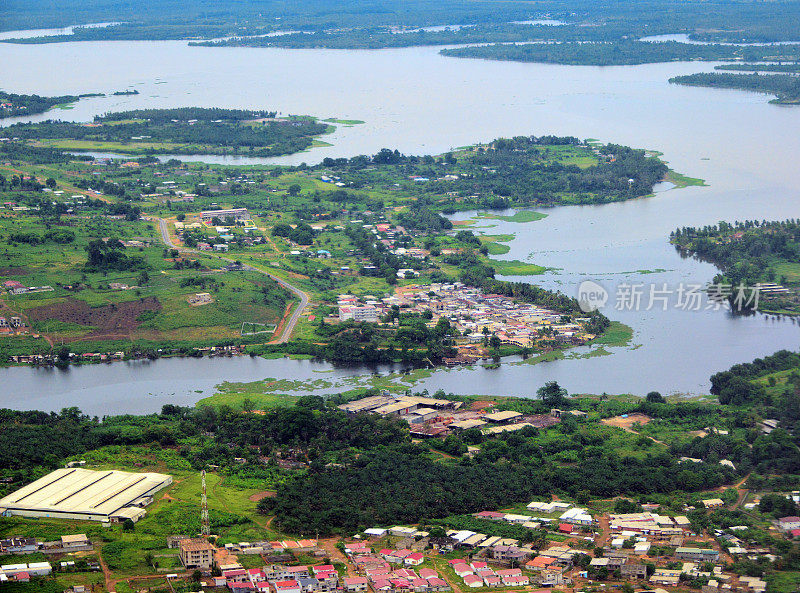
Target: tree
(128, 525)
(654, 397)
(294, 189)
(51, 183)
(181, 217)
(552, 395)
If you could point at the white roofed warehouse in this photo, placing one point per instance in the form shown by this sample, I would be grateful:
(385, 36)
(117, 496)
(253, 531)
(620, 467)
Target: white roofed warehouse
(74, 493)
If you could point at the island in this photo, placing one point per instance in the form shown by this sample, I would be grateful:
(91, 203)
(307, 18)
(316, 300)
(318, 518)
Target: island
(786, 87)
(622, 53)
(187, 130)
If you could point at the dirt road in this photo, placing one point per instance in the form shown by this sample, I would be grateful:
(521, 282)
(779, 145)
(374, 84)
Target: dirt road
(290, 323)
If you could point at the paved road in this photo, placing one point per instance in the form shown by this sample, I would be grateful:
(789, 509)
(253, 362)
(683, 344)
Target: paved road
(288, 327)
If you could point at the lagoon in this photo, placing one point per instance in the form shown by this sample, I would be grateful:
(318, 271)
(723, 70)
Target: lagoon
(419, 102)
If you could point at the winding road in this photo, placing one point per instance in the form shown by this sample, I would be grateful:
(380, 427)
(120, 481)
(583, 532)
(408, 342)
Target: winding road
(288, 326)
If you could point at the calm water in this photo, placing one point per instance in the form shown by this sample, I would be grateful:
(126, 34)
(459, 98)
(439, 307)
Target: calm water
(419, 102)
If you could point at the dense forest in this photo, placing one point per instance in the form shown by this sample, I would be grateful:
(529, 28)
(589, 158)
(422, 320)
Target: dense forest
(621, 53)
(358, 23)
(784, 68)
(735, 385)
(519, 171)
(785, 86)
(196, 130)
(363, 470)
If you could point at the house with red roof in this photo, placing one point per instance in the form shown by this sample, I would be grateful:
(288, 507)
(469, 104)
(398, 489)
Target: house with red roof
(473, 581)
(382, 585)
(419, 585)
(539, 563)
(565, 527)
(492, 581)
(462, 569)
(428, 573)
(414, 559)
(355, 584)
(288, 586)
(516, 581)
(401, 584)
(437, 584)
(236, 575)
(241, 587)
(492, 515)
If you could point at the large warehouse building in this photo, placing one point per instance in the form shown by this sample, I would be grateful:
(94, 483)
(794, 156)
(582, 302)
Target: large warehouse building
(73, 493)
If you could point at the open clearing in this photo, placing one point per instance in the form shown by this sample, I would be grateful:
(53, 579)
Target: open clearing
(627, 421)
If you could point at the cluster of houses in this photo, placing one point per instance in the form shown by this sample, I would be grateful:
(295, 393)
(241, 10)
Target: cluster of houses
(480, 574)
(563, 514)
(22, 573)
(648, 523)
(789, 525)
(51, 359)
(16, 288)
(391, 570)
(281, 579)
(477, 315)
(431, 417)
(11, 325)
(30, 545)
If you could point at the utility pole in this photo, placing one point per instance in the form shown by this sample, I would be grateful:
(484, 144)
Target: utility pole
(205, 527)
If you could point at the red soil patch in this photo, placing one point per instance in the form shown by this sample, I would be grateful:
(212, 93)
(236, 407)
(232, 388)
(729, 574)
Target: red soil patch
(259, 495)
(480, 405)
(628, 421)
(113, 318)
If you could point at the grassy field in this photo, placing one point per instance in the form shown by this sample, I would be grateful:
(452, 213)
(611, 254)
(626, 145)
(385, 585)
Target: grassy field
(681, 180)
(155, 308)
(514, 267)
(520, 216)
(617, 334)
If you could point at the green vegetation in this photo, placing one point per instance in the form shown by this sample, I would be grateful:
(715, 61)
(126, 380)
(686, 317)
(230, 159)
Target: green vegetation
(94, 240)
(784, 68)
(12, 105)
(681, 180)
(785, 86)
(514, 267)
(617, 334)
(344, 122)
(747, 253)
(518, 216)
(621, 53)
(178, 131)
(106, 296)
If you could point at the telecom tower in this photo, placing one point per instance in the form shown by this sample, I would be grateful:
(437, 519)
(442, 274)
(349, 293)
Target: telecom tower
(205, 527)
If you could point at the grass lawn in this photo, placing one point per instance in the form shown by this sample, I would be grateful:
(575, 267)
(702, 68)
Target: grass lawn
(519, 216)
(514, 267)
(617, 334)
